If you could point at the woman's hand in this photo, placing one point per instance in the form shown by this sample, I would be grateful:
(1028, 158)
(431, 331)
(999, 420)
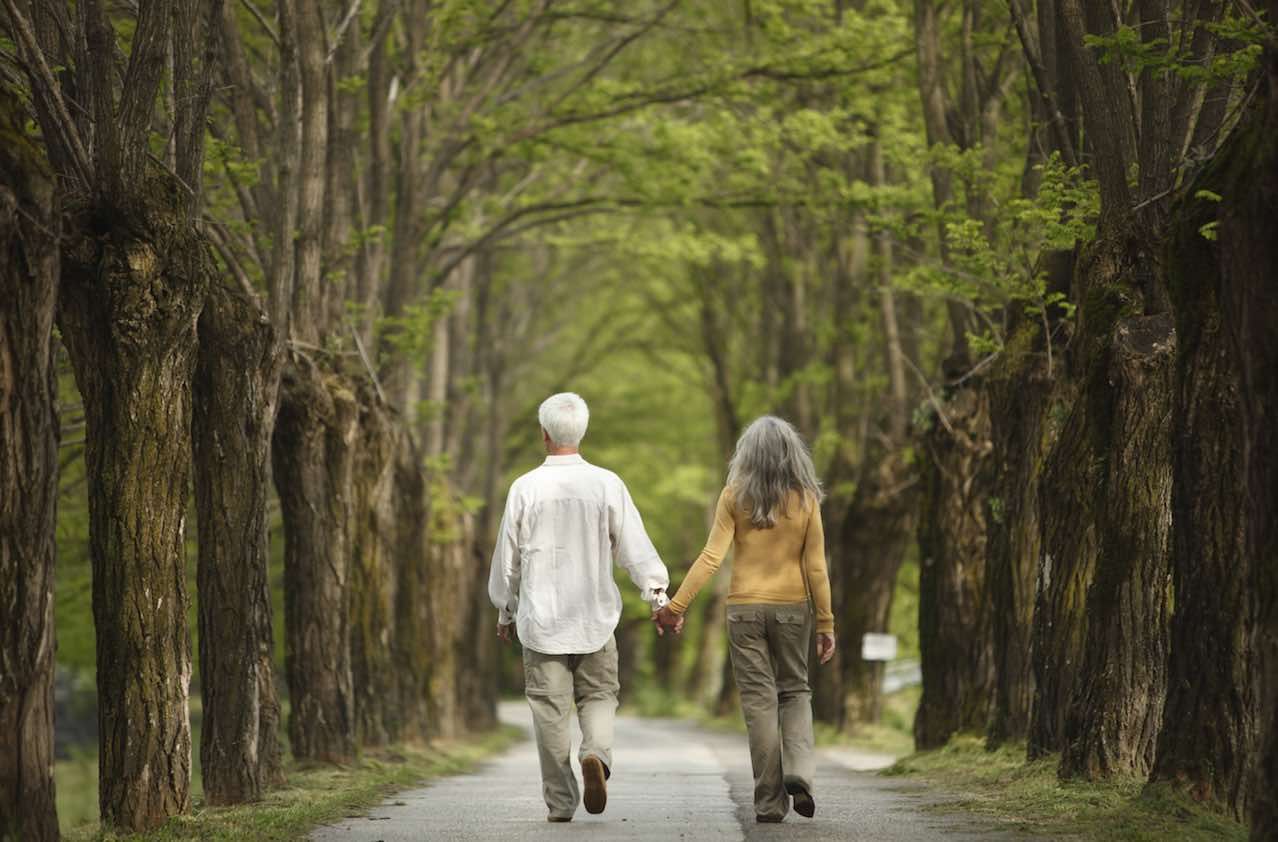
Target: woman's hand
(664, 619)
(825, 646)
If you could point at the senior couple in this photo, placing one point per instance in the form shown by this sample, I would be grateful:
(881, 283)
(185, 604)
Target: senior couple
(566, 523)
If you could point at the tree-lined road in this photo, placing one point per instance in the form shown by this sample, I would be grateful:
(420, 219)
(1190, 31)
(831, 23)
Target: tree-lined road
(673, 780)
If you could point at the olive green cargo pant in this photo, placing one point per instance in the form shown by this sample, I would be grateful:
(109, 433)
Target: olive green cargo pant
(553, 684)
(769, 647)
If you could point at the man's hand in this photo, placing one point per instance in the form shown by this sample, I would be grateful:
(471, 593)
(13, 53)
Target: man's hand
(503, 632)
(825, 646)
(664, 619)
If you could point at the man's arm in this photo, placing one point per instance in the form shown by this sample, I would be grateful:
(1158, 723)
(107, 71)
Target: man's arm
(633, 550)
(503, 577)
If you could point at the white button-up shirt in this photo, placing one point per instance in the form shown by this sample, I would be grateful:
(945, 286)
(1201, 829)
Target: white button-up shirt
(565, 524)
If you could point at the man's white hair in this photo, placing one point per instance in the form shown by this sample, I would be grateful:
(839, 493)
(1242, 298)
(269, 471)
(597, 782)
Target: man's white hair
(564, 418)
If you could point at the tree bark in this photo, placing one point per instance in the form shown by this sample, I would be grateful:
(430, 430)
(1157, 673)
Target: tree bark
(448, 608)
(235, 393)
(1247, 167)
(1116, 703)
(876, 535)
(954, 620)
(1209, 737)
(29, 431)
(1020, 393)
(374, 574)
(312, 454)
(134, 280)
(412, 601)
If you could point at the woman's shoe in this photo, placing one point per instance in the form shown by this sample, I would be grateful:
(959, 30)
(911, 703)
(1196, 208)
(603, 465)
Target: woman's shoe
(802, 799)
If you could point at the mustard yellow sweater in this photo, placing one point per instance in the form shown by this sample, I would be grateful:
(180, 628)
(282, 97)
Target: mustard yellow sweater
(768, 565)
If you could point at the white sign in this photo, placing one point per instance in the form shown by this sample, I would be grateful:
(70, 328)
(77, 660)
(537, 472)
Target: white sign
(878, 647)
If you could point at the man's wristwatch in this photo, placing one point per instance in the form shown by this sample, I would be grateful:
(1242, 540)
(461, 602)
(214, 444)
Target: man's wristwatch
(660, 600)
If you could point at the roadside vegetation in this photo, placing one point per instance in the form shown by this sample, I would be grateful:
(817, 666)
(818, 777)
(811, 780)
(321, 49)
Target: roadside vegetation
(1029, 796)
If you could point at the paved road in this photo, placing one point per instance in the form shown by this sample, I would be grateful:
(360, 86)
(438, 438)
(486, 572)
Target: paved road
(672, 781)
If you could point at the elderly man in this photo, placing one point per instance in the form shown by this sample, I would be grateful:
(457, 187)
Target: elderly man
(564, 525)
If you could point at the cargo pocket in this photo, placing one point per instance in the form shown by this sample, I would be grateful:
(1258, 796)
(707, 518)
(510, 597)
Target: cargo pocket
(745, 624)
(792, 622)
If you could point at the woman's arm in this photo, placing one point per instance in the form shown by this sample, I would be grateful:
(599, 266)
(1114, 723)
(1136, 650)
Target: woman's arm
(816, 571)
(707, 564)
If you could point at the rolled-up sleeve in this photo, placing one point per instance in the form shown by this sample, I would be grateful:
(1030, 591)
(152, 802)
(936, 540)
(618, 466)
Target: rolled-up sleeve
(632, 548)
(503, 577)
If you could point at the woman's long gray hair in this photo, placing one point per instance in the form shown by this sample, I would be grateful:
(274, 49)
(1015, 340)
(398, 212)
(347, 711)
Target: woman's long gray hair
(770, 461)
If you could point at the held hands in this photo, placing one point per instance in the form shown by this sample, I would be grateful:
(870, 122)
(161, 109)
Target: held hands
(825, 646)
(503, 632)
(663, 618)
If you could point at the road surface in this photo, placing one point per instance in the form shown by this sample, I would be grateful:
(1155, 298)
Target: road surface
(672, 780)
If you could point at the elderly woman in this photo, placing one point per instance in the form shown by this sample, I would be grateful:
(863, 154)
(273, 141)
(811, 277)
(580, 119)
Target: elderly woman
(770, 514)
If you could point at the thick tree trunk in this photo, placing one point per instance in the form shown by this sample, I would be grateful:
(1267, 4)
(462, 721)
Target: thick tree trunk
(412, 602)
(235, 390)
(1248, 263)
(1209, 738)
(29, 267)
(954, 619)
(1020, 389)
(374, 574)
(478, 655)
(827, 681)
(312, 453)
(1066, 562)
(876, 535)
(448, 609)
(1116, 704)
(134, 281)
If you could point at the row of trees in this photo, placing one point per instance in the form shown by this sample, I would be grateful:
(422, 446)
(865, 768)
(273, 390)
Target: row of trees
(1004, 266)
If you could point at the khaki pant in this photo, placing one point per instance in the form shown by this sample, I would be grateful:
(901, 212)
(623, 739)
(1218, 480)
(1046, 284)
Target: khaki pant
(553, 684)
(769, 647)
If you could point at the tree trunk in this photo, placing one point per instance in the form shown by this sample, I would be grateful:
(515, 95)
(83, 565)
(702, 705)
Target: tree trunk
(374, 574)
(1209, 738)
(312, 454)
(1116, 704)
(876, 535)
(1020, 388)
(1248, 250)
(134, 281)
(827, 680)
(412, 615)
(447, 608)
(235, 390)
(28, 484)
(1066, 562)
(954, 620)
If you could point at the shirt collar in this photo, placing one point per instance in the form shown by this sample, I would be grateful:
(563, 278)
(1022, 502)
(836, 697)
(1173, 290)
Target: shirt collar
(570, 459)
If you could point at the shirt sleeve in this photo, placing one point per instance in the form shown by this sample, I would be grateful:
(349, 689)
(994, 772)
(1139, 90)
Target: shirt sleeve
(816, 571)
(708, 563)
(633, 550)
(503, 577)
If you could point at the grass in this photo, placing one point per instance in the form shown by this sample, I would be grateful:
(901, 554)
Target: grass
(1028, 796)
(314, 795)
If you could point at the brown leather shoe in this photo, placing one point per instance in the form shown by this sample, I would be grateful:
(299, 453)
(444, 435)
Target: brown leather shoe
(558, 819)
(593, 776)
(769, 819)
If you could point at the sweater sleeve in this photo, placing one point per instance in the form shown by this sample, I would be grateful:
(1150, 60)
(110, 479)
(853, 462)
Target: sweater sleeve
(816, 571)
(707, 564)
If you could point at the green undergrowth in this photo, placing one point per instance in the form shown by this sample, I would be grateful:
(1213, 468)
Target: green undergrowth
(1028, 796)
(317, 795)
